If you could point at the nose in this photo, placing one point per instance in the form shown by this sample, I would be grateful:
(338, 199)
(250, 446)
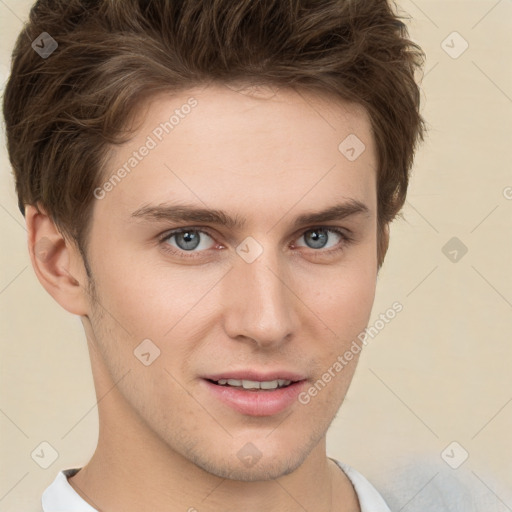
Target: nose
(260, 306)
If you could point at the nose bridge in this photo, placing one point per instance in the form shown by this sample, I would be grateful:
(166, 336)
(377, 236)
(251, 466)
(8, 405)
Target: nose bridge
(260, 306)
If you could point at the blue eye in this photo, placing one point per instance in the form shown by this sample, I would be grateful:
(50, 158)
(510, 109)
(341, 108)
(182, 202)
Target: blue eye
(187, 240)
(321, 237)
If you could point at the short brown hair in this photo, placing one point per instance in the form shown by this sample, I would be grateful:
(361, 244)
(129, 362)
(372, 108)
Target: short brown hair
(63, 113)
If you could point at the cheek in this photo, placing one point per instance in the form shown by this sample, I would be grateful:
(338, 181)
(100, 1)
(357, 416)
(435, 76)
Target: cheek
(149, 300)
(356, 301)
(345, 302)
(345, 307)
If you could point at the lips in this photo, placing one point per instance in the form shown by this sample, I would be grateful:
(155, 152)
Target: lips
(256, 393)
(253, 375)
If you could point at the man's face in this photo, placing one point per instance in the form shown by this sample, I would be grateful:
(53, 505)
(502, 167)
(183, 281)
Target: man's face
(264, 300)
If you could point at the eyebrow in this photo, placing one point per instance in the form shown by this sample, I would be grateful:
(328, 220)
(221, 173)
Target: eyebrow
(191, 213)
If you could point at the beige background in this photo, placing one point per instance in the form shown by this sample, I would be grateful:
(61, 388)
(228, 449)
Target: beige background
(438, 373)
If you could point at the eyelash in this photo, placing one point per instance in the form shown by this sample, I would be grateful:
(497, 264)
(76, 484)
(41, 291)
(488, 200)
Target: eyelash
(346, 240)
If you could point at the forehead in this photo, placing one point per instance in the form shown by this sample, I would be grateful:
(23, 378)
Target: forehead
(217, 145)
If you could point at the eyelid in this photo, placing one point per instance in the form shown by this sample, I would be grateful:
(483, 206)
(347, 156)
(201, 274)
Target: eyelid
(176, 231)
(337, 229)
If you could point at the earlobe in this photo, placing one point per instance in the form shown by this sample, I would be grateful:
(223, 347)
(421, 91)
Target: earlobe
(56, 261)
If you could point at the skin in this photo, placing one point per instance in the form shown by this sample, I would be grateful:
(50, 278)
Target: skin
(266, 158)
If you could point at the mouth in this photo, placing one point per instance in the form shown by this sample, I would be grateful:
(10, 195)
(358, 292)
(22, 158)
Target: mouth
(253, 385)
(254, 394)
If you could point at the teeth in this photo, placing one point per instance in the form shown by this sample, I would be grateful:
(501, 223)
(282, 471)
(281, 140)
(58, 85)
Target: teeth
(250, 384)
(253, 384)
(272, 384)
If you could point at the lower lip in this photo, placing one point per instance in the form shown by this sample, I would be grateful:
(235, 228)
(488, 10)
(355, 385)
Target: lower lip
(257, 403)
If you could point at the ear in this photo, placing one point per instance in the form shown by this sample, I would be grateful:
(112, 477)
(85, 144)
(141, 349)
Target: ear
(382, 244)
(57, 262)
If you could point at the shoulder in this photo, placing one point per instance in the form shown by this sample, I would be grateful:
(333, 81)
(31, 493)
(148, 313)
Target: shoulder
(424, 484)
(370, 500)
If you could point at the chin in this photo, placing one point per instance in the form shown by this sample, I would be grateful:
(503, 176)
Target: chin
(261, 471)
(250, 464)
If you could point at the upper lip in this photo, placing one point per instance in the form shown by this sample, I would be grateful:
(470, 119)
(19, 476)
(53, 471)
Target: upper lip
(257, 376)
